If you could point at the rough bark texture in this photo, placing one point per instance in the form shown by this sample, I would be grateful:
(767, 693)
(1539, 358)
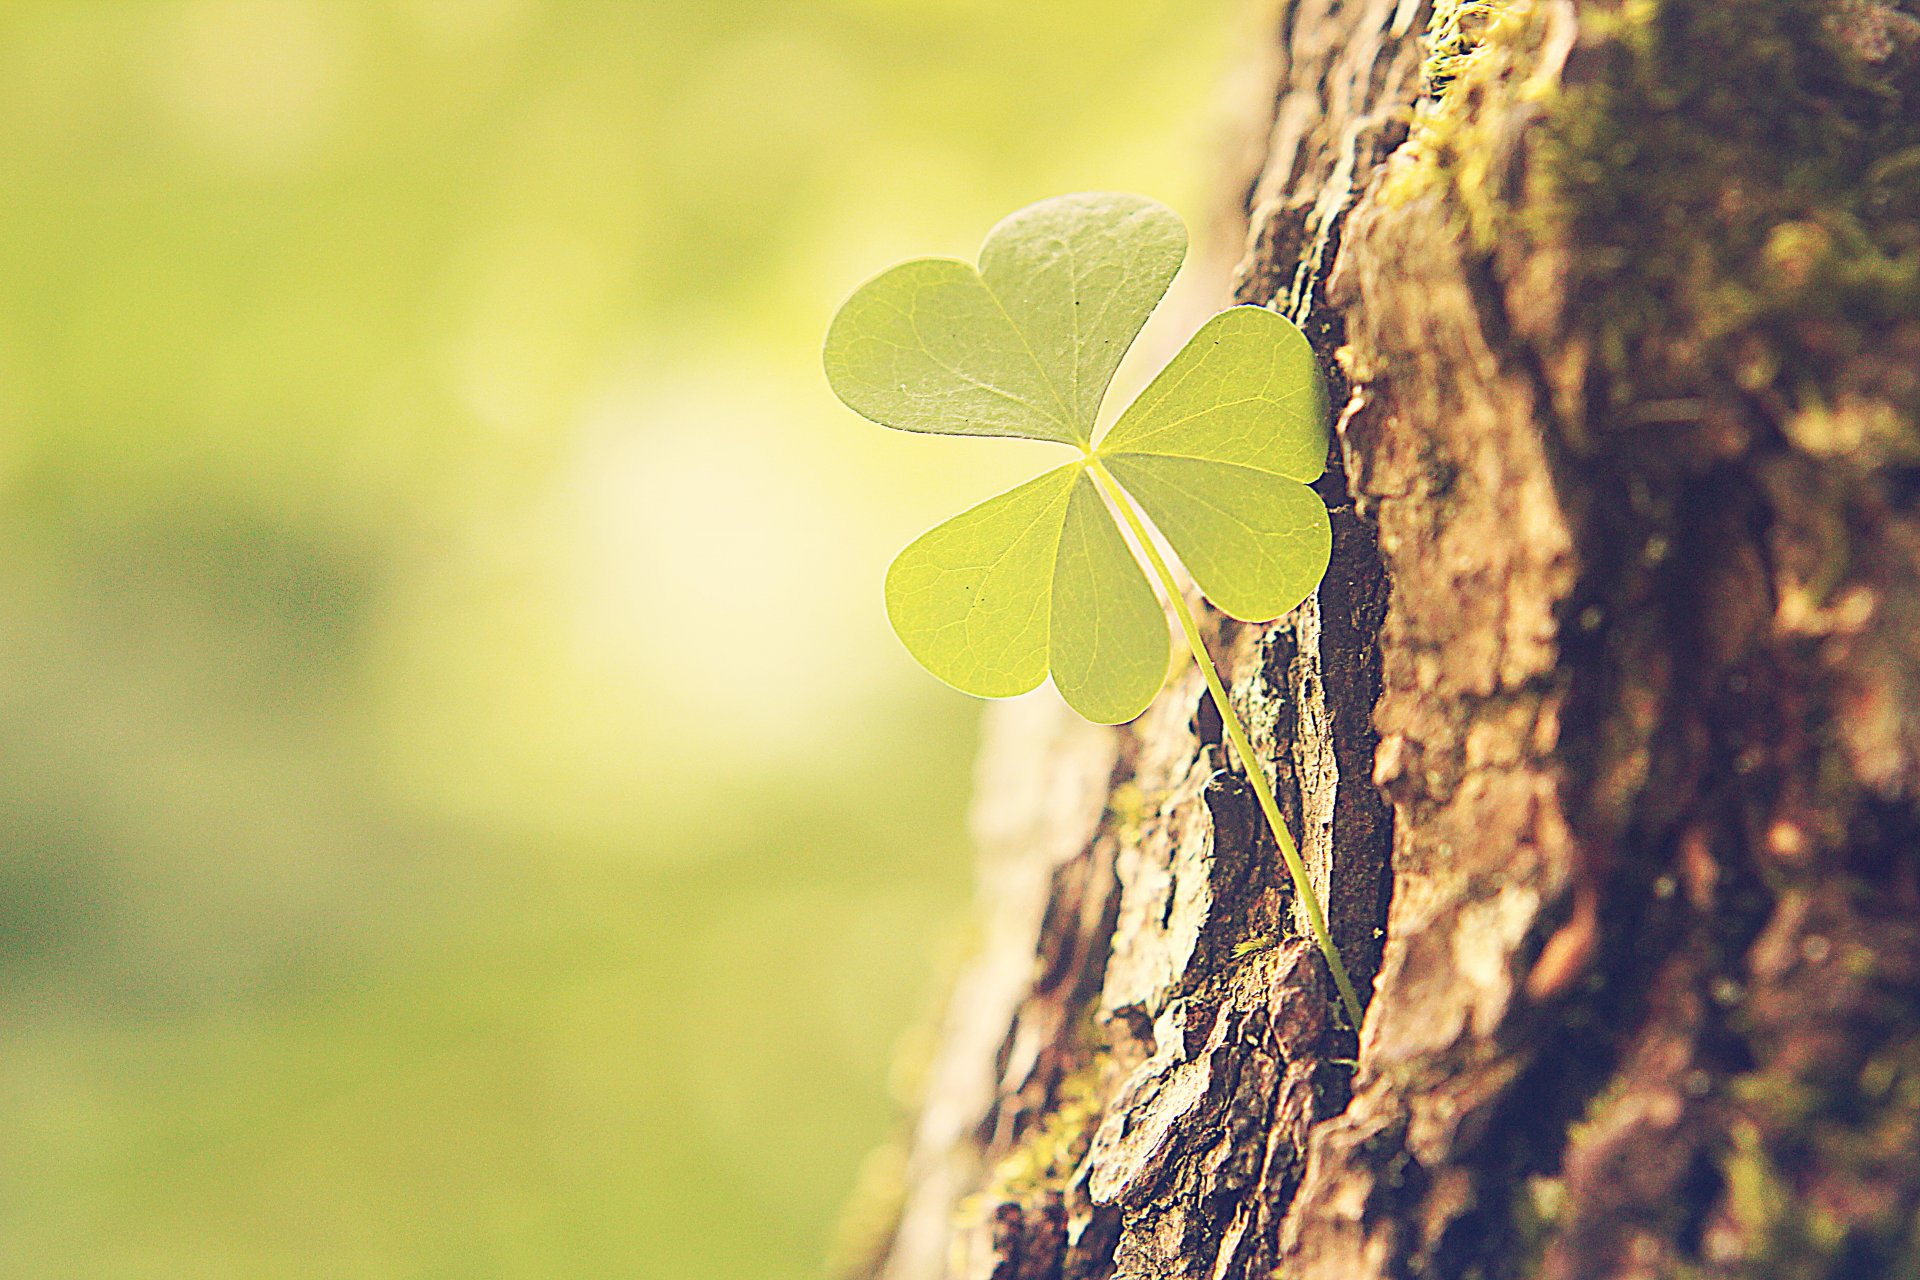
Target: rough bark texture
(1603, 734)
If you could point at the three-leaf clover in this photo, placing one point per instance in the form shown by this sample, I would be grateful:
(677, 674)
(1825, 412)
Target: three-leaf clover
(1218, 451)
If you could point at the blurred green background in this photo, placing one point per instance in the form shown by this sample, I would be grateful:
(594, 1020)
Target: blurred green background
(464, 812)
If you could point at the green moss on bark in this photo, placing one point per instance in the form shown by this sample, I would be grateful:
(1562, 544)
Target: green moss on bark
(1737, 182)
(1036, 1171)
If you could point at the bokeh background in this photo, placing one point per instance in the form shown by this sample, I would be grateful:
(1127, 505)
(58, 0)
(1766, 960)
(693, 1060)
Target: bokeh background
(464, 813)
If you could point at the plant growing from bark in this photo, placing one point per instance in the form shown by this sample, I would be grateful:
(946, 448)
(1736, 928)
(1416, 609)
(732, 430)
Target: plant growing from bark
(1218, 452)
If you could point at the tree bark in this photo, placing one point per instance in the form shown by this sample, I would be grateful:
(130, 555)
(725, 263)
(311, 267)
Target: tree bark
(1602, 735)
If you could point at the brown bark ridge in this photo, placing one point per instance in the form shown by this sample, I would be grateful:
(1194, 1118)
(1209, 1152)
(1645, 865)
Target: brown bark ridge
(1602, 736)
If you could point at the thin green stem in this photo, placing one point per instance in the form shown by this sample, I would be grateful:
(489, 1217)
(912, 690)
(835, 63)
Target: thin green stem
(1256, 772)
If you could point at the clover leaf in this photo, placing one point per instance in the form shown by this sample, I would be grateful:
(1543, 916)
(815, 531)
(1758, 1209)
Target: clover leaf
(1218, 451)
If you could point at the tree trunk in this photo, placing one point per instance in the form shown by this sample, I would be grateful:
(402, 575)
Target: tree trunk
(1602, 736)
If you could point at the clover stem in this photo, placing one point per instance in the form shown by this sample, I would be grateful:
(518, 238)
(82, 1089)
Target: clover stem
(1256, 772)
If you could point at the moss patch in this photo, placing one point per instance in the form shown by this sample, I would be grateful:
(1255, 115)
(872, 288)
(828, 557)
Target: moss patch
(1733, 182)
(1047, 1156)
(1477, 49)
